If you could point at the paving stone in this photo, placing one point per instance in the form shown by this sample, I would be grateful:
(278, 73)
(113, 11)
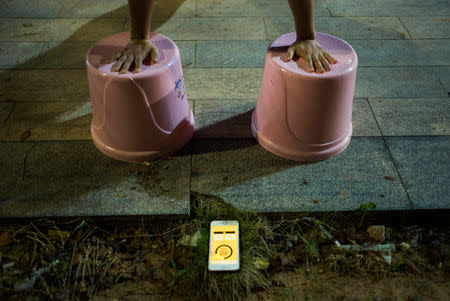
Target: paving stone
(388, 8)
(363, 121)
(187, 52)
(248, 177)
(412, 117)
(72, 55)
(74, 29)
(19, 55)
(233, 8)
(427, 27)
(98, 8)
(383, 82)
(175, 8)
(401, 52)
(444, 76)
(344, 28)
(231, 53)
(223, 118)
(5, 111)
(231, 119)
(75, 179)
(223, 83)
(63, 55)
(48, 121)
(30, 8)
(119, 8)
(44, 85)
(249, 28)
(12, 156)
(423, 165)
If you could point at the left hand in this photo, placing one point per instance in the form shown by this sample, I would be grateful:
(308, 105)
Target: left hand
(316, 58)
(135, 51)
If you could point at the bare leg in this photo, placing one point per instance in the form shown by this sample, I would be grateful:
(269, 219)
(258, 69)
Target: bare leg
(306, 46)
(140, 46)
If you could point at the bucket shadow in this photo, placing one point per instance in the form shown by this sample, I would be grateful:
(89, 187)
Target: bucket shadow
(59, 177)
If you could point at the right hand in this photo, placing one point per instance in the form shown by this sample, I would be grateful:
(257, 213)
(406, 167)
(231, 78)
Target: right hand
(317, 60)
(137, 51)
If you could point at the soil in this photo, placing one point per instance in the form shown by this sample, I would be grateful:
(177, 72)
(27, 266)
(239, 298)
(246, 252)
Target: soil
(84, 259)
(295, 286)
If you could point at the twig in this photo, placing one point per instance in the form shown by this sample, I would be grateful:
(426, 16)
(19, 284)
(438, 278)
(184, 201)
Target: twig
(71, 264)
(412, 266)
(43, 236)
(39, 241)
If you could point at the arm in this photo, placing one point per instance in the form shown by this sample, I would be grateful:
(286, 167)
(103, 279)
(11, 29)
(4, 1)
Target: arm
(305, 45)
(140, 46)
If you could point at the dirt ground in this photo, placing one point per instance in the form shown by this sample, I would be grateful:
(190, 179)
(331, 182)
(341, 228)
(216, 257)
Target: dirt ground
(300, 257)
(323, 287)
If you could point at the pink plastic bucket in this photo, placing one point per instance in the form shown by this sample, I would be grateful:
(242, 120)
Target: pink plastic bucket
(138, 116)
(305, 116)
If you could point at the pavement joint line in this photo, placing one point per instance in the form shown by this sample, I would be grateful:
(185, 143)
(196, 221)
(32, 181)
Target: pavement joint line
(195, 54)
(404, 26)
(41, 52)
(216, 67)
(124, 25)
(265, 28)
(190, 178)
(328, 8)
(9, 115)
(391, 156)
(61, 18)
(24, 165)
(440, 80)
(61, 8)
(196, 9)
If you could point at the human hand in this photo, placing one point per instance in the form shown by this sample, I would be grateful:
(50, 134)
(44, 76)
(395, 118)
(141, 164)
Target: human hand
(137, 51)
(316, 58)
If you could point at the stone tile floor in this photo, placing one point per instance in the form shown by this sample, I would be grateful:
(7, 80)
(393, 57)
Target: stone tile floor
(398, 157)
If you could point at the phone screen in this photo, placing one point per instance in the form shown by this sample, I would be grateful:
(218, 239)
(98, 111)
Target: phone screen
(224, 247)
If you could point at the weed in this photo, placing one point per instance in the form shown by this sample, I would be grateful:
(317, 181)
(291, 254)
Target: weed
(254, 234)
(363, 209)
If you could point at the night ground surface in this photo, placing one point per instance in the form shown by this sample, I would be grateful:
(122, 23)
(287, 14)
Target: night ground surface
(398, 157)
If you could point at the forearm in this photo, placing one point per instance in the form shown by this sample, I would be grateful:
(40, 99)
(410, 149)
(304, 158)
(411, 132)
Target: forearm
(303, 11)
(140, 18)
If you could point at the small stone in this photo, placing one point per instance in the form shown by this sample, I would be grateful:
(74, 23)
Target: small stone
(416, 234)
(436, 243)
(404, 246)
(279, 283)
(377, 232)
(261, 264)
(195, 238)
(8, 265)
(189, 240)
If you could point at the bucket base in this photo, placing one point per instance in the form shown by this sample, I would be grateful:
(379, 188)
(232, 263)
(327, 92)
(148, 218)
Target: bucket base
(178, 139)
(303, 152)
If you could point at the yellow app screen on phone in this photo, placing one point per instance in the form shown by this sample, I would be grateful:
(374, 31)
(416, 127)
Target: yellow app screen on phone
(224, 246)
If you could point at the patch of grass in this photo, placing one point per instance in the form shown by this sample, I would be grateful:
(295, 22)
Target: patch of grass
(255, 231)
(363, 209)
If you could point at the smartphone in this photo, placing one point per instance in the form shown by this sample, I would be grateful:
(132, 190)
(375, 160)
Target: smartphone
(224, 246)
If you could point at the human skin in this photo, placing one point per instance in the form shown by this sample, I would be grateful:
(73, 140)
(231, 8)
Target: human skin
(306, 46)
(139, 46)
(317, 60)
